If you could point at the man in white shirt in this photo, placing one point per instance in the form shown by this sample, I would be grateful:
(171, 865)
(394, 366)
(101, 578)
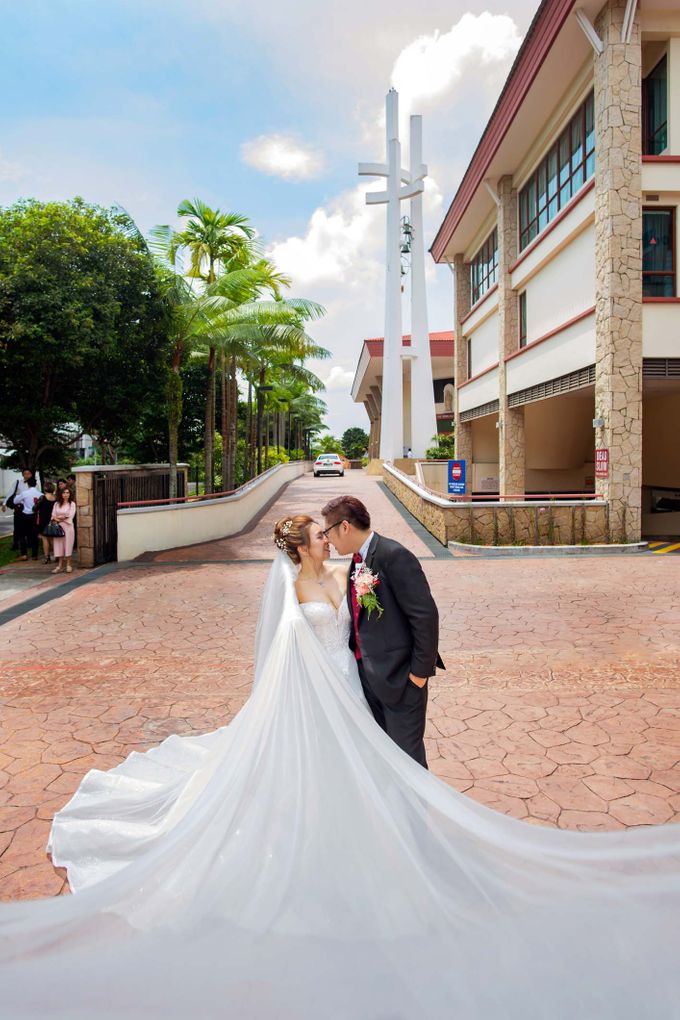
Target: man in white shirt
(26, 503)
(16, 490)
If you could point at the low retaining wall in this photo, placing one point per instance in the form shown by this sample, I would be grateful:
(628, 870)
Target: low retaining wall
(554, 522)
(154, 528)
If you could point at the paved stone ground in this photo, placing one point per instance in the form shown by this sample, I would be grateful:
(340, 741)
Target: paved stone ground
(560, 704)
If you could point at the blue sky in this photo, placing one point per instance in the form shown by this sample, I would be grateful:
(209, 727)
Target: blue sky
(263, 109)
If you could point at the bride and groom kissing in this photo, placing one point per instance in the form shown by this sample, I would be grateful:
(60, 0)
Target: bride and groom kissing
(389, 616)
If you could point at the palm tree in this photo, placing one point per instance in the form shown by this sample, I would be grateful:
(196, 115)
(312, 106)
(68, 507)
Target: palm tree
(252, 335)
(218, 306)
(212, 240)
(191, 316)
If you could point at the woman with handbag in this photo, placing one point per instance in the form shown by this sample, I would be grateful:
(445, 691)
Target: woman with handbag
(63, 512)
(44, 514)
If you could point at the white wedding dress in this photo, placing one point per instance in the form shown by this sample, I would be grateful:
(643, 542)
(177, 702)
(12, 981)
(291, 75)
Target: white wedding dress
(296, 864)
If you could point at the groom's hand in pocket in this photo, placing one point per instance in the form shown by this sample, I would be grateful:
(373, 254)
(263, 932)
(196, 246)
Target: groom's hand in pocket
(419, 681)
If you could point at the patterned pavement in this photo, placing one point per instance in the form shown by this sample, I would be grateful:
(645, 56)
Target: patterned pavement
(560, 704)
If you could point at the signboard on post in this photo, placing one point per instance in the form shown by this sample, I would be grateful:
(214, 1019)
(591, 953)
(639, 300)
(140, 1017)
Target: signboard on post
(456, 477)
(602, 463)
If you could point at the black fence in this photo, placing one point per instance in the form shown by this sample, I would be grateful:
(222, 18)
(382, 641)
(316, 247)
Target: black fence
(112, 488)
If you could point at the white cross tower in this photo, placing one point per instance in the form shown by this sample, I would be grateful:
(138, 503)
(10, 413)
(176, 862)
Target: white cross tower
(423, 419)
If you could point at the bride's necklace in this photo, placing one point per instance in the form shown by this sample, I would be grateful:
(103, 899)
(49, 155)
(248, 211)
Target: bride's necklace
(318, 580)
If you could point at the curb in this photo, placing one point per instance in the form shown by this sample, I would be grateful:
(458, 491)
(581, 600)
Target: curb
(548, 550)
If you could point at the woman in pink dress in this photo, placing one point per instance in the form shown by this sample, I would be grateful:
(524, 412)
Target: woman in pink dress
(63, 512)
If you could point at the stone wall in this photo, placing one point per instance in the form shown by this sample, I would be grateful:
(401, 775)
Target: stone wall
(505, 524)
(85, 518)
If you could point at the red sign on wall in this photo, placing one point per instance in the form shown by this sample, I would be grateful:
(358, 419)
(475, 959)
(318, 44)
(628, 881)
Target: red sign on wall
(602, 463)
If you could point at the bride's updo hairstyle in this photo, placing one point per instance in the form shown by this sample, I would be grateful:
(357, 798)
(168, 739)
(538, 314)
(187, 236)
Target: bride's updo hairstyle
(290, 533)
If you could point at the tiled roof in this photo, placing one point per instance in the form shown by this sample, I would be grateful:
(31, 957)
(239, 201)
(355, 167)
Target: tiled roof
(441, 344)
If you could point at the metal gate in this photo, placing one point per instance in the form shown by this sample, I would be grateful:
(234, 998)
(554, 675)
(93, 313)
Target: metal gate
(110, 489)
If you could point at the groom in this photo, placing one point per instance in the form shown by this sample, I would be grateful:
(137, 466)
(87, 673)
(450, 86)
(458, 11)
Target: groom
(396, 652)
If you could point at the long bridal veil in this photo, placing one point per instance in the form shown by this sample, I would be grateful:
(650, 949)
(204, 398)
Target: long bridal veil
(295, 864)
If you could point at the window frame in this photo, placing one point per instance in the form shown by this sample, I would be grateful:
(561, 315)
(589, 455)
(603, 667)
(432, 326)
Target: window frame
(484, 268)
(646, 151)
(522, 319)
(673, 272)
(559, 175)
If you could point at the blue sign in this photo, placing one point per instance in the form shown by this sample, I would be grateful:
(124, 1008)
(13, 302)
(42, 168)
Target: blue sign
(456, 477)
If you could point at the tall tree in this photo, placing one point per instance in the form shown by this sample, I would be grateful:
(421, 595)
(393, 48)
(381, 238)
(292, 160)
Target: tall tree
(82, 326)
(211, 239)
(354, 442)
(192, 313)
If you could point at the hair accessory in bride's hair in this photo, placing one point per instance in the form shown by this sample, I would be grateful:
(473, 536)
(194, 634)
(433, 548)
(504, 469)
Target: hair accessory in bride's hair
(280, 540)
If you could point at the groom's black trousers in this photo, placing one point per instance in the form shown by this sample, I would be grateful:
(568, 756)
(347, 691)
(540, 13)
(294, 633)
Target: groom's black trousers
(403, 722)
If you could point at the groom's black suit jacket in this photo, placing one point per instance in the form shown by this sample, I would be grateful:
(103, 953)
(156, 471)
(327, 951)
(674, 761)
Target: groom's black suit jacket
(404, 639)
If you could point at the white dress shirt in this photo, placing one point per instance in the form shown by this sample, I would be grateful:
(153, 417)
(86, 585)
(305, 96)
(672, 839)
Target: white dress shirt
(27, 499)
(363, 552)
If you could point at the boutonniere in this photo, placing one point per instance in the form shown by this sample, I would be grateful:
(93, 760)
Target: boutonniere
(365, 582)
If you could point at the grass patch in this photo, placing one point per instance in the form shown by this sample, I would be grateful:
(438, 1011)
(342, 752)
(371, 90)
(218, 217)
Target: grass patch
(7, 554)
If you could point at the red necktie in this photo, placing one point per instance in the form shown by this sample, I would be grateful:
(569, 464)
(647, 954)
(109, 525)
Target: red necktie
(355, 610)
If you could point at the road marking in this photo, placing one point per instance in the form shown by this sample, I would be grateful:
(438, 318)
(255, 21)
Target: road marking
(655, 545)
(666, 549)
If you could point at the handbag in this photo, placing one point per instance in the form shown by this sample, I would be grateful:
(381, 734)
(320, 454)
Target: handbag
(53, 530)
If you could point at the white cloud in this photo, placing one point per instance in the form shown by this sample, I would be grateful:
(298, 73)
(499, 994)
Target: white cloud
(282, 155)
(337, 244)
(339, 378)
(432, 64)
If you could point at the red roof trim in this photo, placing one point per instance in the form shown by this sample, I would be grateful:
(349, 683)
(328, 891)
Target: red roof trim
(538, 42)
(441, 344)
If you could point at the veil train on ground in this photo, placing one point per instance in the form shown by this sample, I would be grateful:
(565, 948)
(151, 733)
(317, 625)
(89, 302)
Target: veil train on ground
(296, 864)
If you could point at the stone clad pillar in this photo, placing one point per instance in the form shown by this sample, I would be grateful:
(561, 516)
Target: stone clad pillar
(376, 397)
(511, 455)
(368, 404)
(85, 516)
(618, 261)
(463, 429)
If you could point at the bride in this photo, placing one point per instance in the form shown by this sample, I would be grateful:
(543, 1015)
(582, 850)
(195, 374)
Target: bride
(297, 864)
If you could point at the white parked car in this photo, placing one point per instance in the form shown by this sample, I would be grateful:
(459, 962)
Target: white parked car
(328, 464)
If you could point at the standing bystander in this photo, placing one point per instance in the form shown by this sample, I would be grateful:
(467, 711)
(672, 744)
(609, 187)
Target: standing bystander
(44, 512)
(10, 504)
(27, 501)
(63, 512)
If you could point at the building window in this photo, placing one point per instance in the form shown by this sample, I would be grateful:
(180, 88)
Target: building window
(484, 268)
(658, 253)
(522, 300)
(655, 110)
(559, 175)
(469, 357)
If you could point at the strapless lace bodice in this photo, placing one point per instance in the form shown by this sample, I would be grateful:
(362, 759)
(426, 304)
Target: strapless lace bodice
(332, 629)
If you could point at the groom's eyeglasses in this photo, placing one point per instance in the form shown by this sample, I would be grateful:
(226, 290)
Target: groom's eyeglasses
(327, 530)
